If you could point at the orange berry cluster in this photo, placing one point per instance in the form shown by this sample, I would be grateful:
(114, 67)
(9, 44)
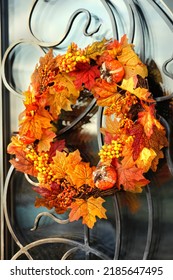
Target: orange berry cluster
(130, 99)
(47, 76)
(126, 123)
(64, 199)
(123, 103)
(45, 175)
(110, 151)
(68, 61)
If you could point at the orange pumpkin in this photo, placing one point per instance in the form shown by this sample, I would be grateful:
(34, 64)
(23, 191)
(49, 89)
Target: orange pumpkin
(116, 69)
(105, 177)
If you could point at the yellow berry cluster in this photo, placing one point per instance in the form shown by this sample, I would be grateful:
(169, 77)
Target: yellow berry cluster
(45, 175)
(68, 61)
(110, 151)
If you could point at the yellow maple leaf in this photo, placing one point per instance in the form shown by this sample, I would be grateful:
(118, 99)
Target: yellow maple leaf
(81, 174)
(94, 50)
(130, 86)
(88, 210)
(145, 159)
(132, 63)
(111, 125)
(62, 94)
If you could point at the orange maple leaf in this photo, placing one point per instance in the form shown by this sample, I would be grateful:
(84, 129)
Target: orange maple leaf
(105, 93)
(45, 141)
(15, 145)
(33, 122)
(62, 162)
(88, 210)
(148, 120)
(22, 164)
(81, 174)
(130, 177)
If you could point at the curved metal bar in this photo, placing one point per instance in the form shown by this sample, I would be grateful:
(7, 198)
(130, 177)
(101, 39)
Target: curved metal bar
(68, 28)
(78, 119)
(50, 215)
(164, 98)
(69, 252)
(86, 239)
(99, 125)
(150, 223)
(5, 57)
(118, 228)
(107, 5)
(132, 22)
(168, 149)
(164, 67)
(7, 181)
(30, 181)
(161, 9)
(79, 245)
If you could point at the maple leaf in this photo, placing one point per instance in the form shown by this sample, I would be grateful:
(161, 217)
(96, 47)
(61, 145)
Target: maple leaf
(15, 145)
(105, 93)
(81, 174)
(63, 161)
(62, 95)
(110, 129)
(33, 123)
(130, 177)
(96, 49)
(88, 210)
(22, 164)
(130, 86)
(45, 140)
(145, 159)
(57, 145)
(157, 141)
(148, 120)
(44, 73)
(132, 63)
(85, 75)
(155, 161)
(140, 139)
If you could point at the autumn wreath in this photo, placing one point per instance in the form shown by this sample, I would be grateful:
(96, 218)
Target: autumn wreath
(133, 135)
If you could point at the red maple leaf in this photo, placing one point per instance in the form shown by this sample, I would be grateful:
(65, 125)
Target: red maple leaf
(58, 145)
(137, 131)
(85, 75)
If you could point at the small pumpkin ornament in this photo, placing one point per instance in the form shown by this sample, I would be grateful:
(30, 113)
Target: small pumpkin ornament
(115, 70)
(105, 177)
